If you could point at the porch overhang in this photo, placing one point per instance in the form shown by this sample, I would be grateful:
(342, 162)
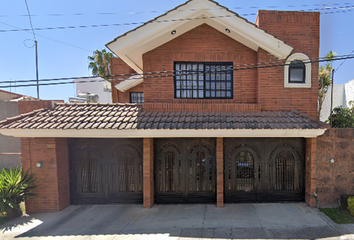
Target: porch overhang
(129, 83)
(163, 133)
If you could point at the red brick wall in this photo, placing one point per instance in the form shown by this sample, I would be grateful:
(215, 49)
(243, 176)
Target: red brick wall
(220, 172)
(118, 66)
(201, 44)
(29, 106)
(148, 172)
(124, 97)
(301, 31)
(264, 86)
(335, 179)
(52, 180)
(310, 167)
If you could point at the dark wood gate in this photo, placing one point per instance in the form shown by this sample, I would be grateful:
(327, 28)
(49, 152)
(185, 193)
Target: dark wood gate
(185, 170)
(106, 170)
(264, 170)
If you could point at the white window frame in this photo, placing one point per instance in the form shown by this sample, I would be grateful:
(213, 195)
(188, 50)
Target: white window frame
(306, 60)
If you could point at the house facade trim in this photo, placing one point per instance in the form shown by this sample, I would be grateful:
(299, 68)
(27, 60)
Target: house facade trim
(129, 83)
(131, 46)
(151, 133)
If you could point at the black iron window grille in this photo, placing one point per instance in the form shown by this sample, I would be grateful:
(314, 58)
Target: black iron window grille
(137, 97)
(203, 80)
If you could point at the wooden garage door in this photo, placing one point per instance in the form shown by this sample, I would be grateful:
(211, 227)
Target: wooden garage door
(264, 170)
(185, 170)
(106, 170)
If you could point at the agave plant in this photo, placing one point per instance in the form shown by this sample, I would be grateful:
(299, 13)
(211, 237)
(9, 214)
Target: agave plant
(15, 187)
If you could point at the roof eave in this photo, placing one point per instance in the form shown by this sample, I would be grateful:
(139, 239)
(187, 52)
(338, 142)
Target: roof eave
(160, 133)
(132, 45)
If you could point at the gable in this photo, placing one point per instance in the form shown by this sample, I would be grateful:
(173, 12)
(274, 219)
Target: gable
(204, 40)
(132, 45)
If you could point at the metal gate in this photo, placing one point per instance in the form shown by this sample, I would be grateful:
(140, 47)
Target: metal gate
(264, 170)
(185, 170)
(106, 170)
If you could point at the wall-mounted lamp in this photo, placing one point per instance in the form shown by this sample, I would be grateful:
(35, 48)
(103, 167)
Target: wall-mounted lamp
(331, 160)
(227, 30)
(173, 32)
(39, 164)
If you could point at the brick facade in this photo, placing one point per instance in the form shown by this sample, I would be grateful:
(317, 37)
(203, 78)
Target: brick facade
(220, 172)
(334, 179)
(148, 172)
(310, 168)
(262, 87)
(52, 180)
(291, 28)
(29, 106)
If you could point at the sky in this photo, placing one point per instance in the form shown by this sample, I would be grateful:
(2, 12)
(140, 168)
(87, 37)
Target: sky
(62, 53)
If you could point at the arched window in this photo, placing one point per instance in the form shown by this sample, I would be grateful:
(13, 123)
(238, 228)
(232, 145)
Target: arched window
(297, 71)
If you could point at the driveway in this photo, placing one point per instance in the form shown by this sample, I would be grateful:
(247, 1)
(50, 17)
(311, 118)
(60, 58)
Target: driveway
(197, 221)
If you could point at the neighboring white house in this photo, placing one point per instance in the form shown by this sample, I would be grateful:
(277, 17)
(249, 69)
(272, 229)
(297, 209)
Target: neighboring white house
(95, 85)
(342, 95)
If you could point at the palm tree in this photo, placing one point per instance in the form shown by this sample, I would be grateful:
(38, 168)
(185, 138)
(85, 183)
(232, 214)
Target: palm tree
(324, 80)
(100, 63)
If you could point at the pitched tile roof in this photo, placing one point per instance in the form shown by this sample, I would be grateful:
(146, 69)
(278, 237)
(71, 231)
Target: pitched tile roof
(131, 116)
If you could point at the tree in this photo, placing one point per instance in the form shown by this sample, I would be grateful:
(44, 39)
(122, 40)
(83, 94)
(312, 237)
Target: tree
(100, 63)
(324, 80)
(343, 117)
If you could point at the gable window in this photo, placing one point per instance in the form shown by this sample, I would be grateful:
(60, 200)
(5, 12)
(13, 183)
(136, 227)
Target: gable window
(297, 71)
(203, 80)
(137, 97)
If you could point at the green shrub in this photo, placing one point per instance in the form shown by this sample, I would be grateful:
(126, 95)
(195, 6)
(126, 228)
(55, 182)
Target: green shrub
(351, 205)
(15, 187)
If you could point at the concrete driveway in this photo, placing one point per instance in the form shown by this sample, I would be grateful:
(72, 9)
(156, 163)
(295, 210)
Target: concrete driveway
(198, 221)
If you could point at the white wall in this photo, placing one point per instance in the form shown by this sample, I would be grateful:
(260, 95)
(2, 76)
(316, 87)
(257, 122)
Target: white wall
(349, 92)
(342, 94)
(93, 86)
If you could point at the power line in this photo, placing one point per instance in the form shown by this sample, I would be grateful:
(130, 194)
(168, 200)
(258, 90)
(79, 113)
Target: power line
(140, 23)
(343, 61)
(29, 15)
(161, 72)
(113, 78)
(324, 7)
(55, 40)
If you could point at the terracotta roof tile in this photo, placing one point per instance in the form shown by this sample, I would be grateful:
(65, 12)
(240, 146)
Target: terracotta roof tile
(130, 116)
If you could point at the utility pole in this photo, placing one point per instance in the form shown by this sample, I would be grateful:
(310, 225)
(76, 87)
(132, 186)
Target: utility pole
(332, 96)
(35, 43)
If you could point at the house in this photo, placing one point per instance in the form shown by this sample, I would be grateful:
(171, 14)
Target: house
(94, 86)
(211, 109)
(342, 95)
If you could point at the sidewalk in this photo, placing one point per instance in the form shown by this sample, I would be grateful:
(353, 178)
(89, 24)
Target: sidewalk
(198, 221)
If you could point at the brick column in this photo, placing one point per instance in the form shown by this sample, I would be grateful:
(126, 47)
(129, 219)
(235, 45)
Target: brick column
(310, 180)
(220, 172)
(52, 181)
(148, 172)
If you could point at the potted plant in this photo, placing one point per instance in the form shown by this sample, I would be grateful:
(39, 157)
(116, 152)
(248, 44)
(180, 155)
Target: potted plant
(15, 187)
